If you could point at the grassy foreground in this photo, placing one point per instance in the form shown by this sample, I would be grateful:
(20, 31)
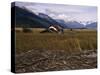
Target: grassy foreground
(70, 41)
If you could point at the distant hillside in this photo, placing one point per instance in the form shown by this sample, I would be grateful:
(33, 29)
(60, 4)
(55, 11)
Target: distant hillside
(74, 24)
(48, 18)
(92, 25)
(25, 18)
(70, 24)
(62, 22)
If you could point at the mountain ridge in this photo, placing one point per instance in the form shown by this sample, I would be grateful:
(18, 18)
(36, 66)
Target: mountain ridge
(26, 18)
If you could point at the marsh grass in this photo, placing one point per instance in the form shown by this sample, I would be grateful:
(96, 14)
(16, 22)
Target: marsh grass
(70, 41)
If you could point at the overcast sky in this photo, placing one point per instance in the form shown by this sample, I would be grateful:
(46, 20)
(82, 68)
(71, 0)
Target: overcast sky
(65, 12)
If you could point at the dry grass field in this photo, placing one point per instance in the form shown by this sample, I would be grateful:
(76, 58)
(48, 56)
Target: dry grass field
(37, 51)
(70, 41)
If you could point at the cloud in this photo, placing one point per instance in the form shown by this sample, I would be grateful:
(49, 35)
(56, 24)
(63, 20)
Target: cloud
(62, 16)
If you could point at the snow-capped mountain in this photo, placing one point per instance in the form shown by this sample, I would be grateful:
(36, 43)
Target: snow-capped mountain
(27, 18)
